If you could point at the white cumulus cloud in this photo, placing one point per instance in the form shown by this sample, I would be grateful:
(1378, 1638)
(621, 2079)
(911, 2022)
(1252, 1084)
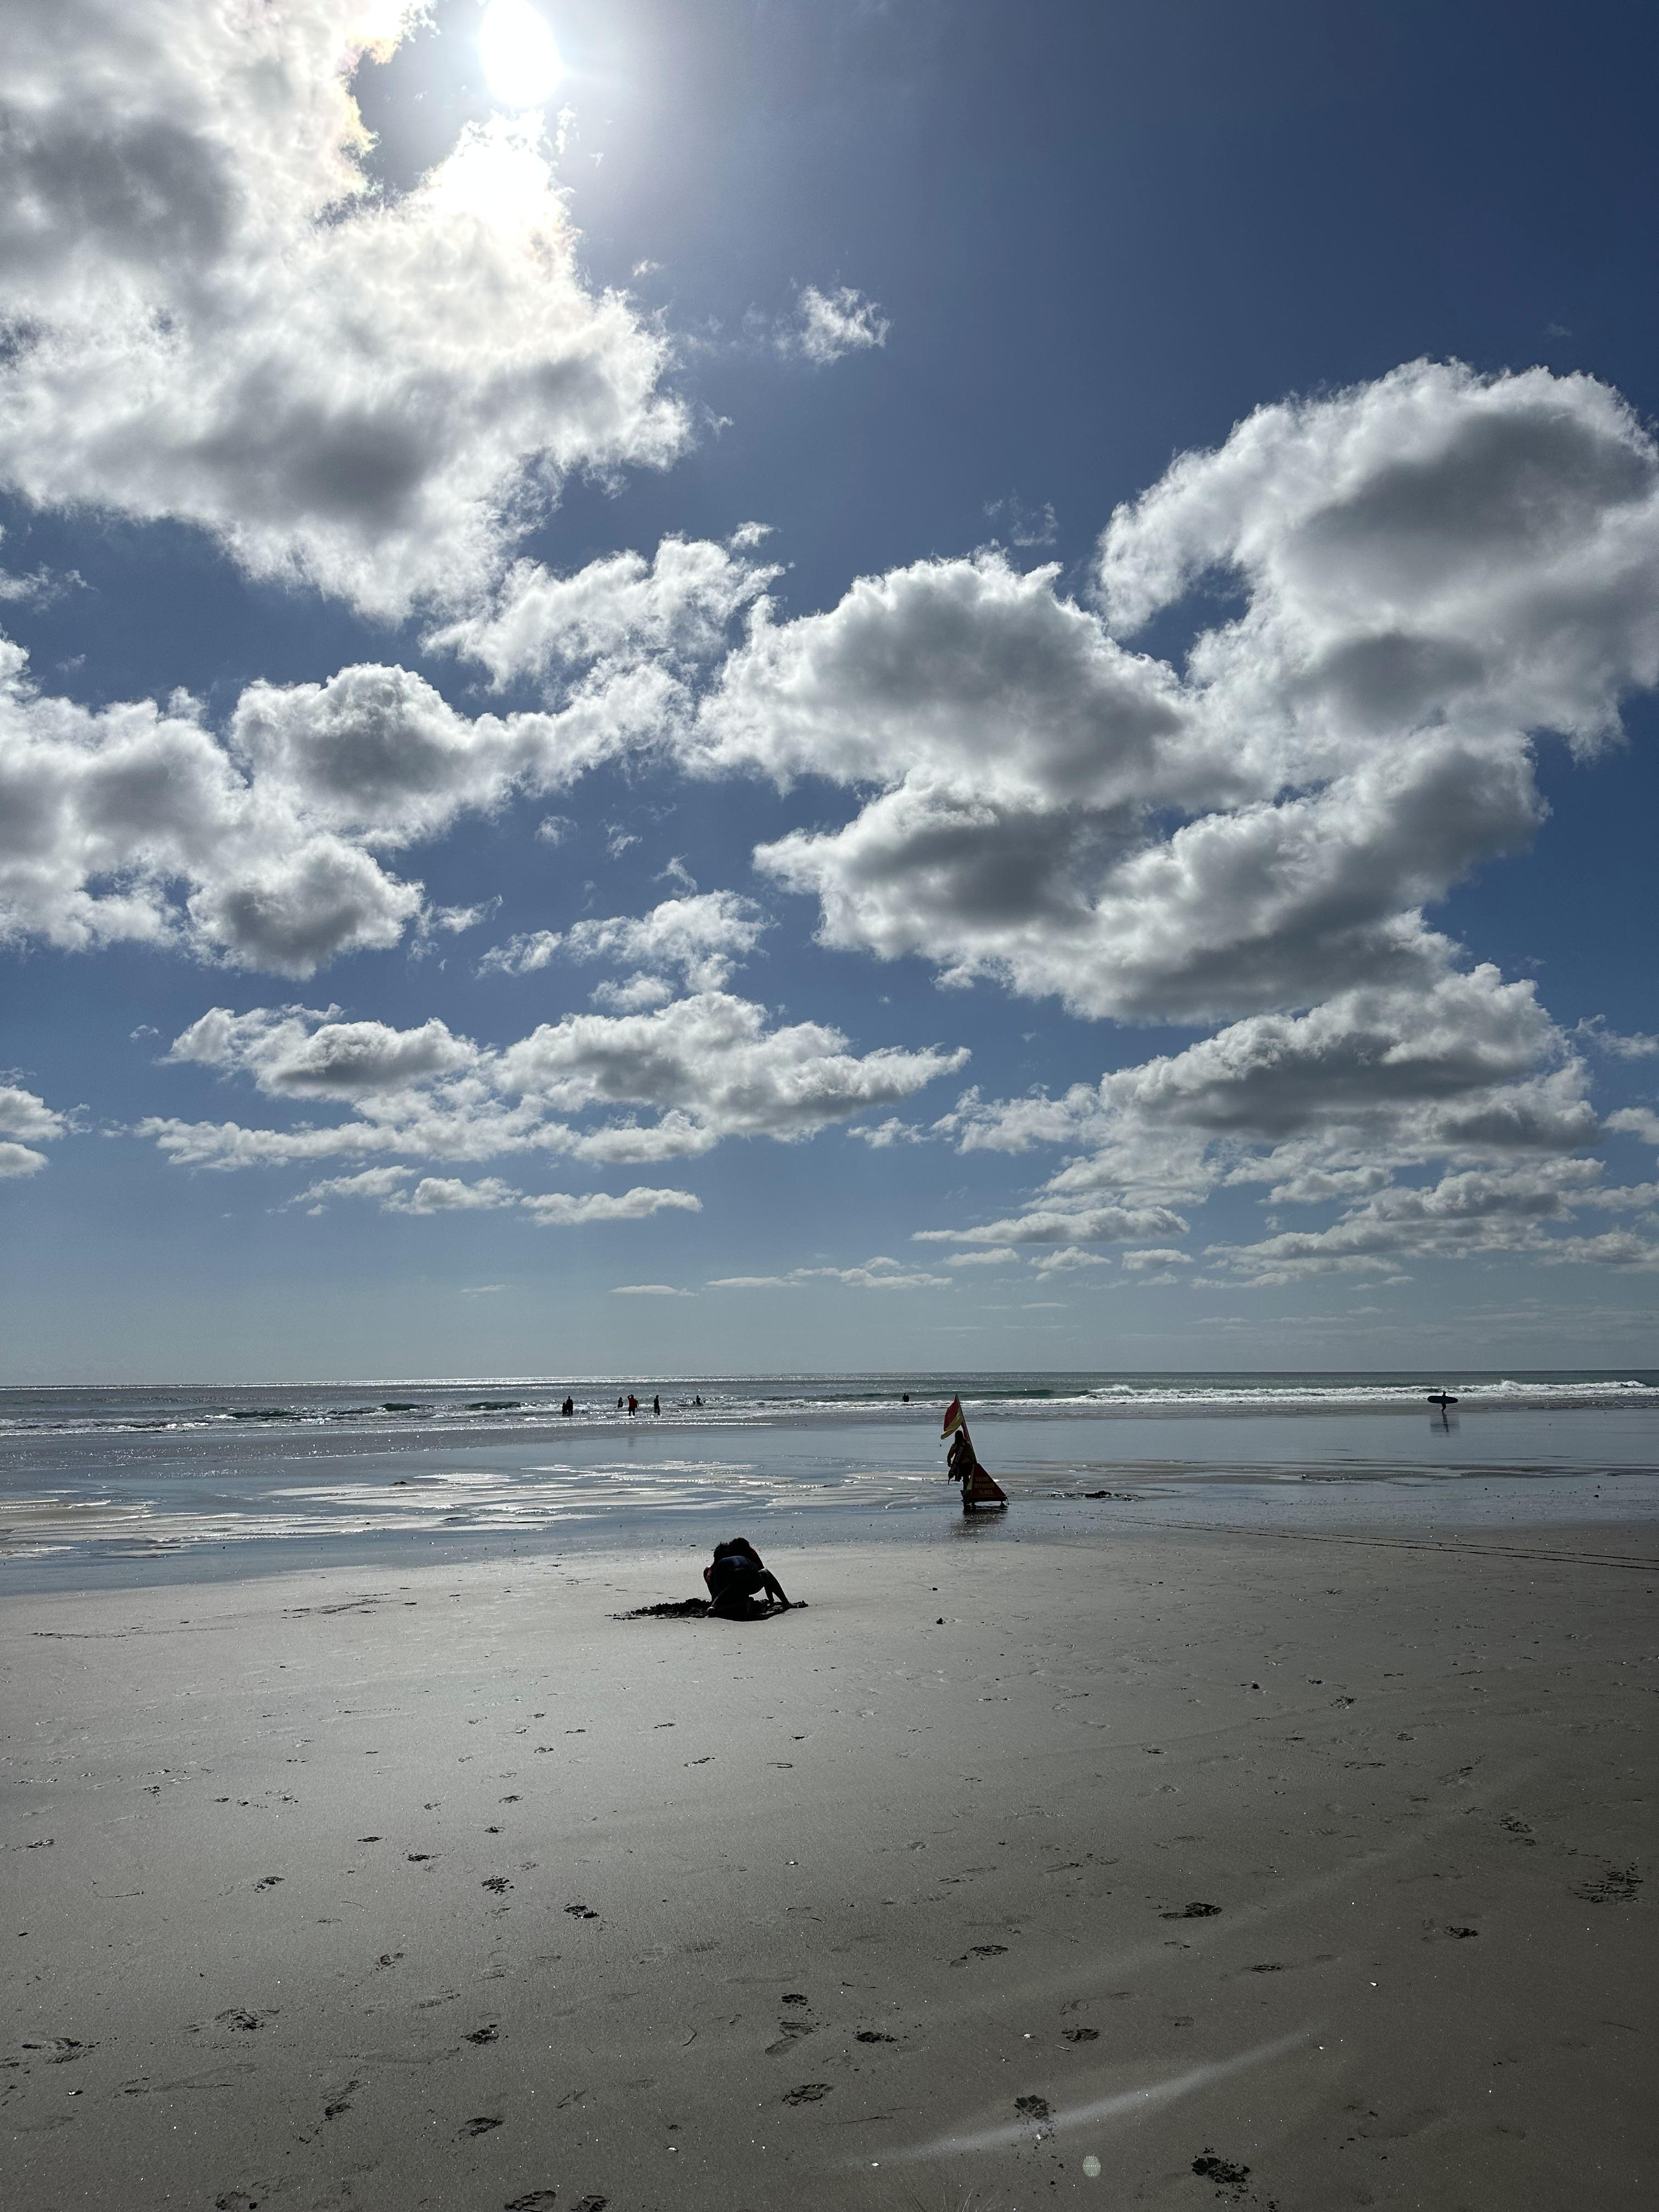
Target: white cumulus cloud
(1517, 1208)
(1433, 568)
(1419, 580)
(299, 1052)
(389, 1188)
(702, 937)
(267, 847)
(559, 1210)
(449, 1194)
(219, 317)
(706, 1068)
(1327, 1107)
(26, 1121)
(677, 607)
(1066, 1226)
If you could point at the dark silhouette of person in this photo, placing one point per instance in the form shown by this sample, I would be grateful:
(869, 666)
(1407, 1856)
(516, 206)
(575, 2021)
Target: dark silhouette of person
(656, 1403)
(741, 1586)
(632, 1404)
(569, 1407)
(697, 1400)
(619, 1405)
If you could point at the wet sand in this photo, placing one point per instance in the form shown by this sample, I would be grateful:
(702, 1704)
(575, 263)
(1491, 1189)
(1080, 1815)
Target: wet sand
(1152, 1867)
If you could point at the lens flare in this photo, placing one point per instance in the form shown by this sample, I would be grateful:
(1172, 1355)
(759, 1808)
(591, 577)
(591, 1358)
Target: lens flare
(520, 59)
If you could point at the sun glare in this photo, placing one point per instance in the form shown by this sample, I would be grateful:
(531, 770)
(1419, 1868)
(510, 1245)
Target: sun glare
(521, 63)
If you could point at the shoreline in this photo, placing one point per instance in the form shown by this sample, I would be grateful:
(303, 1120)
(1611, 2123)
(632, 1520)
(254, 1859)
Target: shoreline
(194, 1506)
(1149, 1845)
(115, 1530)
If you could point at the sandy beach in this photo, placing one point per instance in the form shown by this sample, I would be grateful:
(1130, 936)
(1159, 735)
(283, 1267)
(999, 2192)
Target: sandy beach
(1149, 1867)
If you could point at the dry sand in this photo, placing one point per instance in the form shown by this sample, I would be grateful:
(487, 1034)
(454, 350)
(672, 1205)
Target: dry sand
(1160, 1869)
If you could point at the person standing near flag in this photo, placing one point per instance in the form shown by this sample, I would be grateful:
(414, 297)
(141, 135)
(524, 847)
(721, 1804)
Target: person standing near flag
(961, 1464)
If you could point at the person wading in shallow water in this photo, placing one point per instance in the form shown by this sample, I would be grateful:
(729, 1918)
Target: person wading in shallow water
(737, 1576)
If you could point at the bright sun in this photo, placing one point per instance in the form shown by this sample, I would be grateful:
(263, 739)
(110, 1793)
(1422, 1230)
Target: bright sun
(521, 63)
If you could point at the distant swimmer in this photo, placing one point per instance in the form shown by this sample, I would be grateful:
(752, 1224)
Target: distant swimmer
(569, 1407)
(656, 1403)
(697, 1402)
(633, 1403)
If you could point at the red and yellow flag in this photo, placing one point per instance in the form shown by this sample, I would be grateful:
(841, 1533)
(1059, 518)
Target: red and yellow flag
(953, 1419)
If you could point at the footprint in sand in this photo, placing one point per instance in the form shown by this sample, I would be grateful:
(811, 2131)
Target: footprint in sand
(498, 1882)
(1080, 2034)
(341, 2101)
(980, 1950)
(809, 2092)
(1230, 2180)
(1195, 1912)
(242, 2023)
(873, 2035)
(581, 1912)
(236, 2200)
(482, 2125)
(1031, 2108)
(1618, 1885)
(60, 2050)
(487, 2034)
(268, 1881)
(533, 2200)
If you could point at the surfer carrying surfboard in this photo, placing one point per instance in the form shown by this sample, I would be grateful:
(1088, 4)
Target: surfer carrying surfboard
(1444, 1401)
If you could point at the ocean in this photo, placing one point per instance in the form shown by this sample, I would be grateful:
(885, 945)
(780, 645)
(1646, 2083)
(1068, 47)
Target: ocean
(130, 1483)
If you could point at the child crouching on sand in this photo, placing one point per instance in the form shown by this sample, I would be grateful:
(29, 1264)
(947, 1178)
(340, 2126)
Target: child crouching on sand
(736, 1576)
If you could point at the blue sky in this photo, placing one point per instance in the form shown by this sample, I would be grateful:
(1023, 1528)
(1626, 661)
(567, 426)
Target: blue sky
(938, 685)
